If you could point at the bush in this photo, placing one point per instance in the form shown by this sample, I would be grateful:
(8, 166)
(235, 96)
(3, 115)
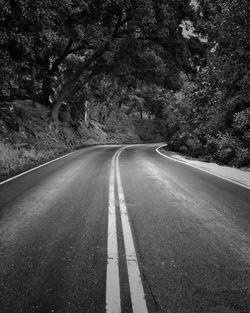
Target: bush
(224, 155)
(183, 149)
(177, 142)
(242, 121)
(15, 159)
(246, 137)
(194, 146)
(211, 146)
(226, 147)
(9, 157)
(242, 157)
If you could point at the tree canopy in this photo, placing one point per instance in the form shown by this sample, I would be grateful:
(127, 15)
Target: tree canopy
(213, 117)
(187, 62)
(57, 43)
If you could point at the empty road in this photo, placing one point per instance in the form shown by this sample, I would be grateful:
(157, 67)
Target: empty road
(111, 229)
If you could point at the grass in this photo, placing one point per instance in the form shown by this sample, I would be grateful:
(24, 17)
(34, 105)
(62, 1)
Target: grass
(16, 159)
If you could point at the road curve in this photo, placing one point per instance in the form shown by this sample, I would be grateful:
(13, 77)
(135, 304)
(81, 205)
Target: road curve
(190, 231)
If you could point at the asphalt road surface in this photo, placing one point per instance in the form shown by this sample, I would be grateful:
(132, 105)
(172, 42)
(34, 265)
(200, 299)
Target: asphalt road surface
(109, 230)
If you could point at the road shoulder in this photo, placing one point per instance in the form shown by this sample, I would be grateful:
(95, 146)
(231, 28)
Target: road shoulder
(231, 174)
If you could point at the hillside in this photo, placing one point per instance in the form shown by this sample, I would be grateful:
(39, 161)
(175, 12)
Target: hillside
(80, 62)
(28, 136)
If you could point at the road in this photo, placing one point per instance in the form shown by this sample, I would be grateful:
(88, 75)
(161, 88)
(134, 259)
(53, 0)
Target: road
(110, 230)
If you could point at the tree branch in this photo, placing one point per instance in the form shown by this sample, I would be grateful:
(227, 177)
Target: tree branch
(68, 51)
(59, 60)
(82, 47)
(99, 52)
(119, 24)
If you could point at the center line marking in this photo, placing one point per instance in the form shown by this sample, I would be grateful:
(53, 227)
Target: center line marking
(135, 282)
(113, 297)
(113, 302)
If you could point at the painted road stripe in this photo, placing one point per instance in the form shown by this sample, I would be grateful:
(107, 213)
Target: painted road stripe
(135, 283)
(113, 302)
(35, 168)
(198, 168)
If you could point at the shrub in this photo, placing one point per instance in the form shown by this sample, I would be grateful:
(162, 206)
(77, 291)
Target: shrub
(9, 157)
(194, 146)
(224, 155)
(242, 121)
(226, 150)
(178, 141)
(211, 146)
(183, 149)
(13, 158)
(242, 157)
(246, 137)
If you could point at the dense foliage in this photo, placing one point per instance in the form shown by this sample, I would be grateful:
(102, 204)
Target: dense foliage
(47, 47)
(115, 58)
(213, 116)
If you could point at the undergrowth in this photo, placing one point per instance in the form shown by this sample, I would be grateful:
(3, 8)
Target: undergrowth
(14, 159)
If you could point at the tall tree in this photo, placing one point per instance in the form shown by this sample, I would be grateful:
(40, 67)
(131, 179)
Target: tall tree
(48, 34)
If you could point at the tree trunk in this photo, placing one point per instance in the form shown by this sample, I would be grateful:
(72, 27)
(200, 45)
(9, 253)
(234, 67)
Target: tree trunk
(46, 89)
(33, 77)
(68, 86)
(86, 113)
(118, 109)
(65, 90)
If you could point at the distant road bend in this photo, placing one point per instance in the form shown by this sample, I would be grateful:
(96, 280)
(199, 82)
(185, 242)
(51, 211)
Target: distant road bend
(110, 229)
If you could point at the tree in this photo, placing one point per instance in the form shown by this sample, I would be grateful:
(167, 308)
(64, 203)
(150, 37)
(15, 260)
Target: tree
(210, 116)
(226, 25)
(47, 33)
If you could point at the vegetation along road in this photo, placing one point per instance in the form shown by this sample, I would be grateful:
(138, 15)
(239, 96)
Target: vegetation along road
(123, 229)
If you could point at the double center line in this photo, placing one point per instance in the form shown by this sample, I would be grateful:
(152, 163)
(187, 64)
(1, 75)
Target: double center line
(113, 297)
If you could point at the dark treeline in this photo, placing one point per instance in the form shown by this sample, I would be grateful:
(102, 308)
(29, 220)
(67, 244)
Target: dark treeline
(139, 56)
(213, 117)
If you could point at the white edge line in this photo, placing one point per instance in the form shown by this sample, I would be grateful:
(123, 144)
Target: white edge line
(135, 282)
(198, 168)
(35, 168)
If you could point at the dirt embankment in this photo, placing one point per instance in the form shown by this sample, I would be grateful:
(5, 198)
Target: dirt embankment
(28, 137)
